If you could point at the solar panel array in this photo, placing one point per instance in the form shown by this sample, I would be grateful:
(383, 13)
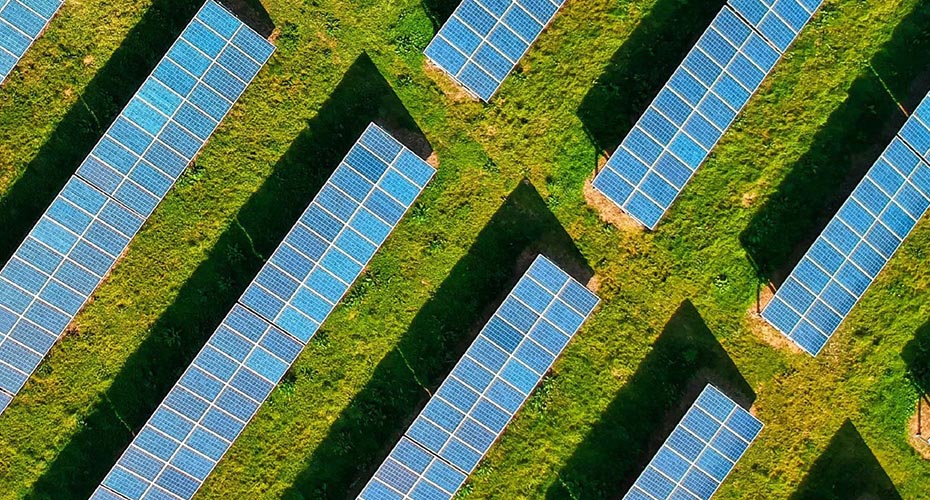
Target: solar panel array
(855, 246)
(91, 222)
(700, 452)
(21, 23)
(484, 40)
(294, 292)
(690, 114)
(486, 388)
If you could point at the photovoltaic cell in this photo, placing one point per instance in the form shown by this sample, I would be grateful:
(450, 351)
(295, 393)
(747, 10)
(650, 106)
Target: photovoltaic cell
(484, 40)
(855, 246)
(700, 452)
(486, 388)
(691, 113)
(21, 23)
(779, 21)
(91, 222)
(249, 352)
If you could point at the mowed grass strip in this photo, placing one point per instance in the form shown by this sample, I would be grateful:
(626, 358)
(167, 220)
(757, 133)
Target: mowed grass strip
(509, 184)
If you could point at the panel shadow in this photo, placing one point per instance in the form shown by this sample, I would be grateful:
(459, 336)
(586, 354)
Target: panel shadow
(88, 118)
(685, 357)
(639, 68)
(362, 96)
(916, 355)
(252, 13)
(440, 333)
(439, 11)
(842, 151)
(847, 470)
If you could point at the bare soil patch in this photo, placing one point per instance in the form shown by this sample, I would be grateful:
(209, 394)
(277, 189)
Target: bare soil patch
(608, 211)
(761, 329)
(446, 83)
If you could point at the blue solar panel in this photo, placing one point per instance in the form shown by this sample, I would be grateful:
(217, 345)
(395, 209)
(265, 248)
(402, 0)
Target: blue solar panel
(700, 452)
(855, 246)
(177, 108)
(779, 21)
(486, 388)
(291, 296)
(89, 225)
(691, 113)
(484, 40)
(53, 273)
(21, 22)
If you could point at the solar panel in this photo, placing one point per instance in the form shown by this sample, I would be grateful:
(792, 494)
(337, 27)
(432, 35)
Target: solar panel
(484, 40)
(21, 23)
(91, 222)
(779, 21)
(855, 246)
(688, 117)
(283, 307)
(701, 451)
(487, 387)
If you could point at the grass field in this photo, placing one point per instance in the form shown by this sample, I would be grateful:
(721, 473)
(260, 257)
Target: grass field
(509, 185)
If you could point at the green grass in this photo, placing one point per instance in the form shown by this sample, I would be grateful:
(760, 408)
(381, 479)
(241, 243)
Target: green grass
(509, 185)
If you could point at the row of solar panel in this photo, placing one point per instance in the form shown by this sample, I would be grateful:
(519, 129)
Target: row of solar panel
(486, 388)
(204, 413)
(687, 119)
(91, 222)
(340, 231)
(698, 104)
(855, 246)
(21, 22)
(280, 311)
(700, 452)
(483, 40)
(53, 273)
(177, 108)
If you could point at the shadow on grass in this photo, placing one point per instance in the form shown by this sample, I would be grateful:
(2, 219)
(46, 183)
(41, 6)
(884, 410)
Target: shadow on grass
(439, 11)
(639, 68)
(88, 118)
(685, 357)
(847, 470)
(175, 338)
(366, 430)
(842, 151)
(252, 13)
(916, 355)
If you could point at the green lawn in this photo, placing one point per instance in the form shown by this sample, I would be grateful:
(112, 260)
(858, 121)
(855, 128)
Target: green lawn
(675, 301)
